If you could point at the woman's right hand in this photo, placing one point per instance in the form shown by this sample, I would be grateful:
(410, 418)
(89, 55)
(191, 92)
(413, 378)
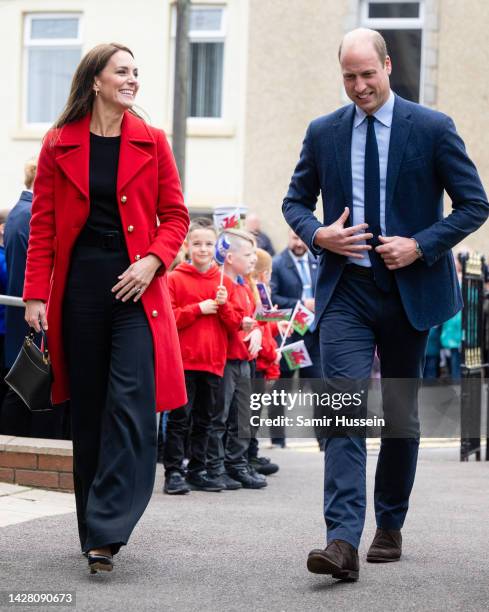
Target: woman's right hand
(35, 311)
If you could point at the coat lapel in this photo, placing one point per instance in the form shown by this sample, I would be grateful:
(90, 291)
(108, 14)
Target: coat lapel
(73, 151)
(136, 149)
(291, 265)
(401, 128)
(342, 141)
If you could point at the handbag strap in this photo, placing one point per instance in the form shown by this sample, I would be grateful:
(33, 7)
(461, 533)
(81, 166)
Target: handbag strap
(44, 345)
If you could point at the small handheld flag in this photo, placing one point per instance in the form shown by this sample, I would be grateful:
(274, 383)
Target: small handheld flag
(221, 248)
(265, 299)
(296, 355)
(303, 319)
(285, 335)
(276, 314)
(224, 221)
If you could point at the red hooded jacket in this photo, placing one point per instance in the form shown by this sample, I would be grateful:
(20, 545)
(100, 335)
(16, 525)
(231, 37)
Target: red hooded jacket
(203, 338)
(265, 362)
(244, 300)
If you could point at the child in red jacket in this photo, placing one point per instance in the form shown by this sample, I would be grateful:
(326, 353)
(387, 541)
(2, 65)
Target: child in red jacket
(227, 457)
(204, 316)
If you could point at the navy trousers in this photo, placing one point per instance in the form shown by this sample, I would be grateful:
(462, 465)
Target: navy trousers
(192, 422)
(227, 449)
(359, 319)
(109, 349)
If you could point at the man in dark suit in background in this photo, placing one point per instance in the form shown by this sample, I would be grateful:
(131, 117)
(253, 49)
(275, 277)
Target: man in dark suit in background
(294, 274)
(15, 418)
(386, 275)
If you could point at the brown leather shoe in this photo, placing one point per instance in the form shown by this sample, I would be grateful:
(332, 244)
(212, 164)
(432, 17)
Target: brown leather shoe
(386, 546)
(339, 559)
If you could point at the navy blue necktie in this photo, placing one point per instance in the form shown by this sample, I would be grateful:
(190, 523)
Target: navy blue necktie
(382, 276)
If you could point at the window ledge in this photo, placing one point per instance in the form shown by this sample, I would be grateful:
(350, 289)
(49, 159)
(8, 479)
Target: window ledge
(28, 133)
(206, 128)
(196, 128)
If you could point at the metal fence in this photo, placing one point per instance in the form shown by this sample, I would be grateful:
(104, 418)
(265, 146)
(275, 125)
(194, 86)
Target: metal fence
(474, 363)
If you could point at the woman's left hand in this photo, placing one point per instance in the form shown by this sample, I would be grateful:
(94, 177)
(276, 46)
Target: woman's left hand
(134, 281)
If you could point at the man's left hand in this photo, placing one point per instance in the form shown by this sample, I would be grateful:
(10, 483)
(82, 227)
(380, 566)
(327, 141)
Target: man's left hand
(397, 252)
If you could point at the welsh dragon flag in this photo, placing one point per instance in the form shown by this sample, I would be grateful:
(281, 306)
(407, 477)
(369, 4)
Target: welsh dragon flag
(229, 220)
(303, 319)
(296, 355)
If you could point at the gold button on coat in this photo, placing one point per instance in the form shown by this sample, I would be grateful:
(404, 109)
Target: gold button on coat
(154, 313)
(124, 199)
(130, 228)
(137, 257)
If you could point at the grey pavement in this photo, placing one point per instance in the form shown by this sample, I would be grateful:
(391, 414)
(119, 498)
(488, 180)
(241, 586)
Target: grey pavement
(246, 550)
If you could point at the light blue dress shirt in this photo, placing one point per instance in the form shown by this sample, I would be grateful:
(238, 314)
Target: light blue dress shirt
(303, 271)
(382, 126)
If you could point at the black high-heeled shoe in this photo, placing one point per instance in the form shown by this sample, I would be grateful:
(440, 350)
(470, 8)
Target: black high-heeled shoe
(103, 563)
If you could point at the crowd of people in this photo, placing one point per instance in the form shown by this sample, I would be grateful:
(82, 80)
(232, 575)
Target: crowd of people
(188, 336)
(223, 346)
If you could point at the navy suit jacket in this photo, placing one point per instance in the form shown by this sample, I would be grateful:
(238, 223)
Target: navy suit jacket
(286, 284)
(426, 158)
(16, 238)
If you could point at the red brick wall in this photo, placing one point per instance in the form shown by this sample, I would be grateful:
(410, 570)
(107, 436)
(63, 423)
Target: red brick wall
(46, 471)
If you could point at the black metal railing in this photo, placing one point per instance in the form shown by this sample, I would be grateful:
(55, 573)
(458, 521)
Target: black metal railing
(473, 358)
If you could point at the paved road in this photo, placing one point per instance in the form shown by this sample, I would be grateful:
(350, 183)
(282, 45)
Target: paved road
(246, 550)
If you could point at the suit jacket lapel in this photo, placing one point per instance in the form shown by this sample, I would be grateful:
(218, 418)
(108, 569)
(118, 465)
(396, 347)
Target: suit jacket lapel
(290, 263)
(400, 130)
(342, 140)
(136, 149)
(73, 151)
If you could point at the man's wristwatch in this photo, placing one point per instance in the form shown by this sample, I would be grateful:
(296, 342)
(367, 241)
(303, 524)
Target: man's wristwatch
(419, 252)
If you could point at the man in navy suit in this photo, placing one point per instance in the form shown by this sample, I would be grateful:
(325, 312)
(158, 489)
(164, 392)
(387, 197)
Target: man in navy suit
(386, 275)
(15, 418)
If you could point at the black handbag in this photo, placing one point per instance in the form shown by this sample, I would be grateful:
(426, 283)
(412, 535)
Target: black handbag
(31, 375)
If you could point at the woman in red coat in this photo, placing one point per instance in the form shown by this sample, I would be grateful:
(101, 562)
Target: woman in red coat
(108, 219)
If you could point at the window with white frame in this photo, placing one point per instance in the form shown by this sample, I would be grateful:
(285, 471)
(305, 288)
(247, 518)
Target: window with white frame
(52, 51)
(401, 25)
(206, 39)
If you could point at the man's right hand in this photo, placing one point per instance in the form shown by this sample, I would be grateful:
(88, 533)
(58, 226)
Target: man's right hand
(344, 240)
(35, 311)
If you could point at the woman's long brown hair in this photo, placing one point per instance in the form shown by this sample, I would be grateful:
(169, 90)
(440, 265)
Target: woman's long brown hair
(82, 95)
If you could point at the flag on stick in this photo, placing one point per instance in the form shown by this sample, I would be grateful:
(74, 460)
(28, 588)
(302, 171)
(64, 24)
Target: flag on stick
(289, 326)
(265, 299)
(275, 314)
(296, 355)
(220, 251)
(224, 221)
(303, 319)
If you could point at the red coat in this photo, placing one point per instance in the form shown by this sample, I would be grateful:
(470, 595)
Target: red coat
(148, 188)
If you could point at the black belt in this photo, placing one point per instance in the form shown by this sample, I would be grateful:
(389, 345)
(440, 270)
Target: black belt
(356, 270)
(110, 241)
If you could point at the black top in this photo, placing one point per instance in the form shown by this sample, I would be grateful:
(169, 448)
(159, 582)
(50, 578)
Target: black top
(104, 158)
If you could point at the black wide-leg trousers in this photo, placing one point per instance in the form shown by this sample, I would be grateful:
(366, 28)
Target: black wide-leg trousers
(109, 350)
